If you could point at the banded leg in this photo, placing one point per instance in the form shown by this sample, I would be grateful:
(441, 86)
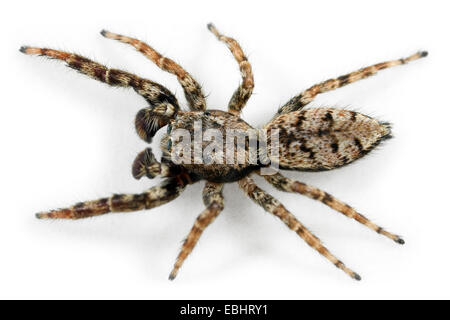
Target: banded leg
(243, 93)
(213, 200)
(272, 205)
(285, 184)
(165, 192)
(192, 90)
(301, 100)
(153, 92)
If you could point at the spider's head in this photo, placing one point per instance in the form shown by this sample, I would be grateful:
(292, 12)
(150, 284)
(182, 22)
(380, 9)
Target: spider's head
(166, 142)
(180, 129)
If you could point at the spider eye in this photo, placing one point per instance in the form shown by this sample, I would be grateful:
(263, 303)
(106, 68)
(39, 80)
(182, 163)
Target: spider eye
(169, 144)
(169, 128)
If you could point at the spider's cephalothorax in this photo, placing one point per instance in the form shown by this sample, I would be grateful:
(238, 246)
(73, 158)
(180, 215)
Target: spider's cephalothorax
(310, 139)
(223, 123)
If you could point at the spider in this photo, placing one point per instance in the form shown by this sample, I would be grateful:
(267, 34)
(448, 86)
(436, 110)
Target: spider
(312, 139)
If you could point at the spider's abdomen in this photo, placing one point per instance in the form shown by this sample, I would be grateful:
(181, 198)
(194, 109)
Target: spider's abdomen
(325, 138)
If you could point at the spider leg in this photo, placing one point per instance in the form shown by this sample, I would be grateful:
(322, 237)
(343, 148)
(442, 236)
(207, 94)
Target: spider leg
(153, 92)
(192, 90)
(301, 100)
(213, 200)
(167, 191)
(272, 205)
(243, 93)
(285, 184)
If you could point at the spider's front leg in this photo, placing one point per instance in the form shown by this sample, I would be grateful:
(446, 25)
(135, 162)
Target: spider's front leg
(154, 93)
(165, 192)
(285, 184)
(301, 100)
(213, 200)
(192, 90)
(272, 205)
(243, 93)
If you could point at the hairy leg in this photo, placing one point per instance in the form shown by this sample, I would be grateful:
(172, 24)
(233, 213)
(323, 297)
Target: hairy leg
(153, 92)
(213, 199)
(285, 184)
(272, 205)
(308, 95)
(192, 89)
(154, 197)
(243, 93)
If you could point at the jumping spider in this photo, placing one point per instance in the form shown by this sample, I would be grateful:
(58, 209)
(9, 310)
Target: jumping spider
(311, 139)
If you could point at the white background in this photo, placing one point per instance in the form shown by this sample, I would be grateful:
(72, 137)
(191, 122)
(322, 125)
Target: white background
(66, 138)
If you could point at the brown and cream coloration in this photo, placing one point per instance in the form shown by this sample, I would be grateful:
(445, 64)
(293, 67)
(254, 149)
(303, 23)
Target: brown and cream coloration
(311, 139)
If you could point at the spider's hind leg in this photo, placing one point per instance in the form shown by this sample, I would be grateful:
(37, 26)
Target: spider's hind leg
(285, 184)
(213, 200)
(272, 205)
(301, 100)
